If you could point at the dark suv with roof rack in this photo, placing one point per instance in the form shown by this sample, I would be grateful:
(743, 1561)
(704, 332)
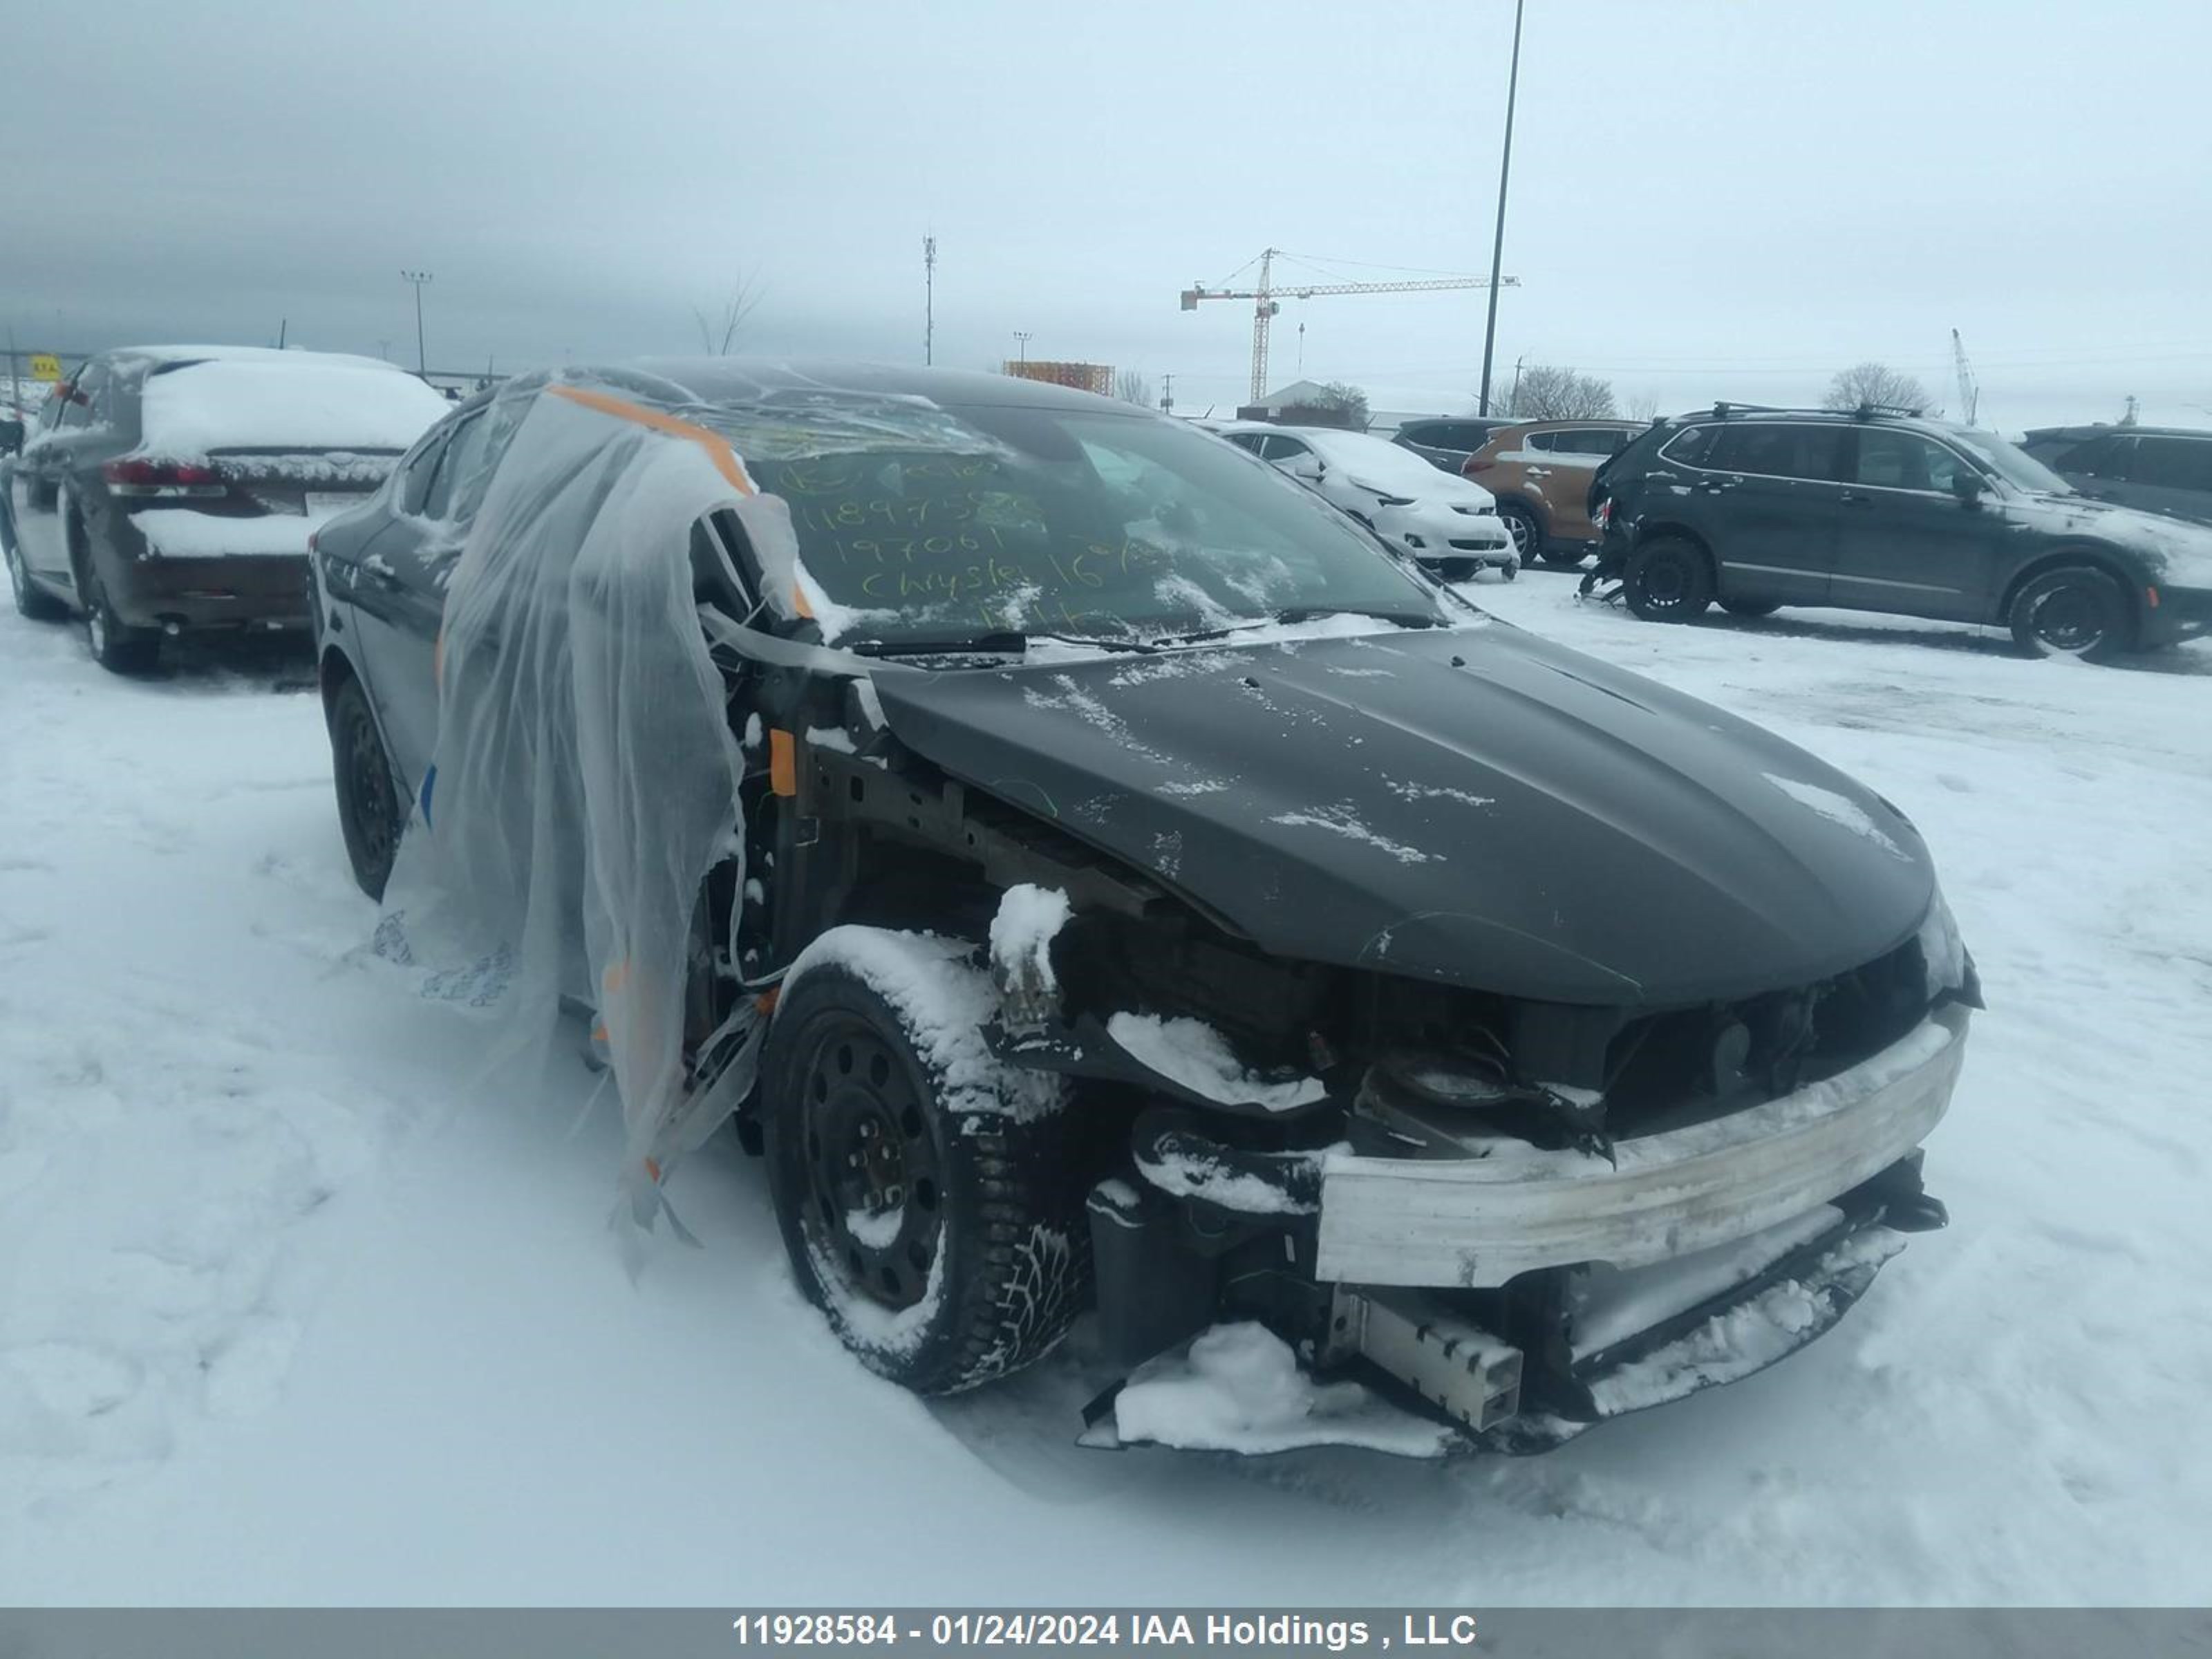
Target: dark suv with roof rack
(1882, 509)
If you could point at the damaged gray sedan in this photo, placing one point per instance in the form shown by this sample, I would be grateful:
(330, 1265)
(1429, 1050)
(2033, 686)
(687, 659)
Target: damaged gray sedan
(1098, 877)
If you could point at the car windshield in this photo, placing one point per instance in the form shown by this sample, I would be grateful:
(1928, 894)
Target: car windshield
(2010, 462)
(1027, 519)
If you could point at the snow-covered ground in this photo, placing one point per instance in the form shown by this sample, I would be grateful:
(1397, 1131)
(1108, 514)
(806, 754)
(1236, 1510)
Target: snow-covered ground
(297, 1305)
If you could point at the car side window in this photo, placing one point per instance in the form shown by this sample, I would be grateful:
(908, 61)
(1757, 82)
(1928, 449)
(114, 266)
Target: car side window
(1779, 450)
(1280, 448)
(1539, 441)
(1905, 460)
(81, 401)
(1250, 441)
(1588, 440)
(2100, 456)
(456, 465)
(2173, 463)
(1691, 447)
(418, 470)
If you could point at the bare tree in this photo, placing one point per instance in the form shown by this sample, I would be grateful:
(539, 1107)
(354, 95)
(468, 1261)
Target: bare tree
(1876, 383)
(1549, 393)
(719, 329)
(1133, 386)
(1643, 407)
(1350, 399)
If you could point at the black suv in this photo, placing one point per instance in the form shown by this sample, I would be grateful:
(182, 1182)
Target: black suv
(2159, 469)
(1447, 441)
(1882, 510)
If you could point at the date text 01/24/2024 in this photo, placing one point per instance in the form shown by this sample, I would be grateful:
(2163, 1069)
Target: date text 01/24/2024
(1093, 1629)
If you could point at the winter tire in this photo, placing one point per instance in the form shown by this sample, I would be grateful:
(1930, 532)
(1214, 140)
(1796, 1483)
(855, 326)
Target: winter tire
(32, 602)
(2075, 610)
(1527, 531)
(939, 1224)
(115, 646)
(1668, 580)
(1751, 608)
(369, 813)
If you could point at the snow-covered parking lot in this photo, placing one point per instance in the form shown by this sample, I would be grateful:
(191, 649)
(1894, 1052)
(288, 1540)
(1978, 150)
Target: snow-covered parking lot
(298, 1304)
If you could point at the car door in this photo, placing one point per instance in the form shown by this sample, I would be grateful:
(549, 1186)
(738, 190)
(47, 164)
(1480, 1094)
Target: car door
(40, 483)
(1768, 497)
(1573, 455)
(2170, 474)
(1910, 543)
(397, 587)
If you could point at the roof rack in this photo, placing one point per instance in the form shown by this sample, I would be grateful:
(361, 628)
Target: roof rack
(1863, 412)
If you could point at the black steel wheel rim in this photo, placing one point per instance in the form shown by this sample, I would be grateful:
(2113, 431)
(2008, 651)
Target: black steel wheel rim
(368, 786)
(1662, 583)
(2069, 619)
(874, 1207)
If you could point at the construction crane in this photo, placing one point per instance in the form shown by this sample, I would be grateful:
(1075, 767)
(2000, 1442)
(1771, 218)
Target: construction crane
(1970, 393)
(1266, 301)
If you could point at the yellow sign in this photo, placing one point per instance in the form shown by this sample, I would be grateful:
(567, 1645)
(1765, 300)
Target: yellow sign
(45, 365)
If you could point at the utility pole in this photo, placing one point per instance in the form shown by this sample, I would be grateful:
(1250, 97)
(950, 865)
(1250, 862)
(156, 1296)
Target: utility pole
(282, 323)
(1022, 345)
(1167, 396)
(422, 357)
(1513, 400)
(1497, 242)
(928, 300)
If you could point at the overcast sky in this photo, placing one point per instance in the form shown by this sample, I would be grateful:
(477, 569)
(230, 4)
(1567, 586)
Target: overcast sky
(1710, 197)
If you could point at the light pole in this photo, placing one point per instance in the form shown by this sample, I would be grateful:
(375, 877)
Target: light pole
(1497, 242)
(928, 300)
(422, 357)
(1022, 345)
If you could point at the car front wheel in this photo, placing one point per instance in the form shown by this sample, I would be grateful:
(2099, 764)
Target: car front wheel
(32, 602)
(1668, 580)
(1522, 526)
(928, 1194)
(2075, 610)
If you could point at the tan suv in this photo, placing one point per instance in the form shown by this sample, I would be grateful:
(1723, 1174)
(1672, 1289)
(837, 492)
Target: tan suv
(1540, 472)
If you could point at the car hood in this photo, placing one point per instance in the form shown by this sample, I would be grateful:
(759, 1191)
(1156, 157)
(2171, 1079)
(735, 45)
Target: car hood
(1473, 804)
(2175, 552)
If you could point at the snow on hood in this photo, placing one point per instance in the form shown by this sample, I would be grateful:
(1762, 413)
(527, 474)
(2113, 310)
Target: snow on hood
(1488, 809)
(2179, 552)
(1392, 467)
(292, 399)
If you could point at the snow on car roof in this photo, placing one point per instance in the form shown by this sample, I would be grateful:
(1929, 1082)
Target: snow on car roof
(285, 400)
(235, 353)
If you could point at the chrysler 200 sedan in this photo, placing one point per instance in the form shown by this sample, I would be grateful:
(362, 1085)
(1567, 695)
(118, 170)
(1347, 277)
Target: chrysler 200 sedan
(1159, 899)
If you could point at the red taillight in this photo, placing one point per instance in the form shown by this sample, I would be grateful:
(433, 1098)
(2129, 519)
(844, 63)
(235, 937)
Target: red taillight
(141, 476)
(138, 470)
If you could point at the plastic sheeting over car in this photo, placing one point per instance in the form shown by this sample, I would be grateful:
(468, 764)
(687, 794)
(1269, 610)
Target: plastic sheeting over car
(586, 778)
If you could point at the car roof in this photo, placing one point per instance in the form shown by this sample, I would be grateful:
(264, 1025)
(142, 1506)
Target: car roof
(2097, 428)
(741, 381)
(1577, 421)
(231, 354)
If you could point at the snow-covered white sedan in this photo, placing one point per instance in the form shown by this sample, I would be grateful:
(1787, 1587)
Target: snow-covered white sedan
(1448, 523)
